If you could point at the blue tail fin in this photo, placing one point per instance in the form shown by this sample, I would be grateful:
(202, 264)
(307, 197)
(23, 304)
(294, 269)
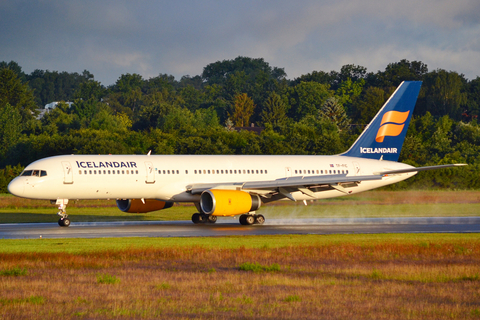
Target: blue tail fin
(383, 137)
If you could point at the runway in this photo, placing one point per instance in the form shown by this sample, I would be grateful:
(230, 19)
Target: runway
(230, 227)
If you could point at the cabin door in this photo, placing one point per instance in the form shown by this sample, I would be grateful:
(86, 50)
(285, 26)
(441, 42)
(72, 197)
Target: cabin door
(288, 172)
(356, 168)
(150, 172)
(67, 172)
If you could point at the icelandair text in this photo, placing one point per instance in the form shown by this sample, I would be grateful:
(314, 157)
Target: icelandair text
(378, 150)
(106, 164)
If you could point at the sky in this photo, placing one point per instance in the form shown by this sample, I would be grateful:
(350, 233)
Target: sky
(180, 37)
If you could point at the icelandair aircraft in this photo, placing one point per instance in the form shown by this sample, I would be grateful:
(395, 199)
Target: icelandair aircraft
(229, 185)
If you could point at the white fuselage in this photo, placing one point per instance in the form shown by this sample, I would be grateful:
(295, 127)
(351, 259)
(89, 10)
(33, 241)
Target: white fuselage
(168, 177)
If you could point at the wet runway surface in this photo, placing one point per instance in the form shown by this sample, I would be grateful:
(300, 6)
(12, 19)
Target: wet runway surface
(226, 227)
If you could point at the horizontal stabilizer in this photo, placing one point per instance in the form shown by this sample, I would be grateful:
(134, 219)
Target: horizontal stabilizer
(420, 169)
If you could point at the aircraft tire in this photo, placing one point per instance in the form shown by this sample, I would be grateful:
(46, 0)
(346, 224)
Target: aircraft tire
(247, 219)
(66, 222)
(211, 219)
(259, 219)
(196, 218)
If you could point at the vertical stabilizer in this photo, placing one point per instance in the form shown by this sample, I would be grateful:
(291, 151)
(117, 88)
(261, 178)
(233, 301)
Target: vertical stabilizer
(383, 137)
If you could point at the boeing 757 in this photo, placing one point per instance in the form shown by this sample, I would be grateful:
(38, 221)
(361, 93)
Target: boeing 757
(229, 185)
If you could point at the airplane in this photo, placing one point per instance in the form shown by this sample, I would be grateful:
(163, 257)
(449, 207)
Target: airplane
(229, 185)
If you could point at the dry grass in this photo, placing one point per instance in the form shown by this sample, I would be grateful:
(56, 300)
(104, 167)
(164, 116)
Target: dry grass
(342, 280)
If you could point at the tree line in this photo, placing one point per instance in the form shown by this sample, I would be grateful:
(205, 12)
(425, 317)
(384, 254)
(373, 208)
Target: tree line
(317, 113)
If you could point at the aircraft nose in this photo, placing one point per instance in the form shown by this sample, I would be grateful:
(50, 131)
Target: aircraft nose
(16, 187)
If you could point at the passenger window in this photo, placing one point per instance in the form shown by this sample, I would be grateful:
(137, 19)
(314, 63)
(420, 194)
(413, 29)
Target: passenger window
(221, 171)
(265, 171)
(256, 171)
(173, 171)
(90, 171)
(79, 171)
(178, 172)
(261, 171)
(186, 171)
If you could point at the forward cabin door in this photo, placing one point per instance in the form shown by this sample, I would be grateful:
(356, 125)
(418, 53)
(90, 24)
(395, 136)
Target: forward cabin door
(67, 172)
(288, 172)
(150, 172)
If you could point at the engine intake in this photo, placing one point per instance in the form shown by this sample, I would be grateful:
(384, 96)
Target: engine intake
(137, 206)
(228, 202)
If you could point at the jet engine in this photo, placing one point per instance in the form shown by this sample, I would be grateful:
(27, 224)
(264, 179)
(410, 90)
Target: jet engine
(137, 206)
(228, 202)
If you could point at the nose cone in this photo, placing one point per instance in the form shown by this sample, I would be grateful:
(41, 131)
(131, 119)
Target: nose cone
(16, 187)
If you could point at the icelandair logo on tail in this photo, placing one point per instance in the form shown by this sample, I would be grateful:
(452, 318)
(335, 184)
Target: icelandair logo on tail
(392, 124)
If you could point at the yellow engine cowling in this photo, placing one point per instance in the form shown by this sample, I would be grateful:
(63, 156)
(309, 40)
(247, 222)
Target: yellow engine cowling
(137, 206)
(228, 202)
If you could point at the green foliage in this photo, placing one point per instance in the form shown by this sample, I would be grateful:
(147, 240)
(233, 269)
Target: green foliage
(318, 113)
(14, 272)
(256, 267)
(107, 279)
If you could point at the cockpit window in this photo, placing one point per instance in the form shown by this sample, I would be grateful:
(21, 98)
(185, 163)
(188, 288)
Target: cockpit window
(35, 173)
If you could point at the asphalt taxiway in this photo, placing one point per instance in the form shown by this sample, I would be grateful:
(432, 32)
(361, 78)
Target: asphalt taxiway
(226, 227)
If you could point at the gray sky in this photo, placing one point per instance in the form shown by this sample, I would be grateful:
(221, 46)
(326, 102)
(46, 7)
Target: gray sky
(180, 37)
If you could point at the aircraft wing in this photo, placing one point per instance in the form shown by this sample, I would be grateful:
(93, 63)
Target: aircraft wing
(285, 186)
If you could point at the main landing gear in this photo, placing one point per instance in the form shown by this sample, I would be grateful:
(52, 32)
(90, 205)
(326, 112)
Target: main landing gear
(62, 213)
(245, 219)
(249, 219)
(203, 218)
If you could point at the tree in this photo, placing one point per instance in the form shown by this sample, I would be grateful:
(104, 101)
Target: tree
(368, 105)
(333, 111)
(10, 127)
(445, 93)
(307, 98)
(16, 94)
(274, 110)
(243, 110)
(403, 70)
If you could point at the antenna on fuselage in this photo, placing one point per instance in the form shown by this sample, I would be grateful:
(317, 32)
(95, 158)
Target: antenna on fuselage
(149, 153)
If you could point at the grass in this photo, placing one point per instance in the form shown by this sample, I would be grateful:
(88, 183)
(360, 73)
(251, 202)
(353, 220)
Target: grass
(368, 204)
(15, 272)
(399, 276)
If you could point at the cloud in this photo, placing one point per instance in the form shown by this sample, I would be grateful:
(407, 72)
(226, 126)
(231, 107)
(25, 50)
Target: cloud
(110, 38)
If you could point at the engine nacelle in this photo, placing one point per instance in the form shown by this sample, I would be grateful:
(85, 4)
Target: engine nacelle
(228, 202)
(137, 206)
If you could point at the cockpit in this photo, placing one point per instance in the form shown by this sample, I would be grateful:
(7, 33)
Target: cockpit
(34, 173)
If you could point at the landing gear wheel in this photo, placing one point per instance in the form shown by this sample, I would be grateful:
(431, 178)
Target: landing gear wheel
(247, 219)
(199, 218)
(196, 218)
(259, 219)
(211, 219)
(64, 222)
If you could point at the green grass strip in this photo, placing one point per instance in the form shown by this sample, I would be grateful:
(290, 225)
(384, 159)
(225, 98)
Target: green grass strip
(268, 241)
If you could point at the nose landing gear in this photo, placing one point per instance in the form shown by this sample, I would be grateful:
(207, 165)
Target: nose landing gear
(62, 213)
